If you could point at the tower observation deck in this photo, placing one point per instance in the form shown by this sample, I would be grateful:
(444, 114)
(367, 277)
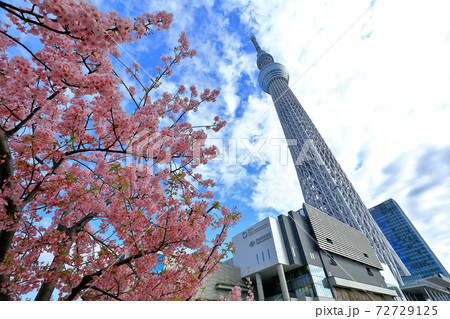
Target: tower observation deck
(324, 184)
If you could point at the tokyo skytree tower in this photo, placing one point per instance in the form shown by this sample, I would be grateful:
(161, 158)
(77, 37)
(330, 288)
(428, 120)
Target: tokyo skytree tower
(322, 180)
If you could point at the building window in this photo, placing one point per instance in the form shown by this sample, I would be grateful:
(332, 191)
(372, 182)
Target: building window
(257, 259)
(262, 253)
(318, 277)
(369, 272)
(333, 262)
(268, 254)
(329, 241)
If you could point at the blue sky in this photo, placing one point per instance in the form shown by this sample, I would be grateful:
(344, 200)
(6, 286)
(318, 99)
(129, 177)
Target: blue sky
(374, 77)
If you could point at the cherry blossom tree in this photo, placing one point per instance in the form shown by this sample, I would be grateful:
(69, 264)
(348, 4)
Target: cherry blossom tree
(99, 200)
(236, 293)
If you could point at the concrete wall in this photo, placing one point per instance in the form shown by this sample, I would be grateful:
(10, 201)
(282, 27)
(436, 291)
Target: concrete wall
(259, 247)
(351, 270)
(226, 275)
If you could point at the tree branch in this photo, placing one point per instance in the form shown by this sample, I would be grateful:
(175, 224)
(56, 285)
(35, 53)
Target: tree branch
(26, 48)
(104, 292)
(13, 10)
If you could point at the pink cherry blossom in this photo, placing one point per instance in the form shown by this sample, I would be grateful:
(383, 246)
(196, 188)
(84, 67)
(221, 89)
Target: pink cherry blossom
(236, 293)
(97, 202)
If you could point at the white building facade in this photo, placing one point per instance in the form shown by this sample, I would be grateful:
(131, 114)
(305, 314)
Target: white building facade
(308, 255)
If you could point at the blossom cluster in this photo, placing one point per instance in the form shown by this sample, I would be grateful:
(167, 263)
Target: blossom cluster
(98, 202)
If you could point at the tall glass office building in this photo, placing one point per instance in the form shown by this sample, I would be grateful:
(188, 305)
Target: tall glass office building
(406, 240)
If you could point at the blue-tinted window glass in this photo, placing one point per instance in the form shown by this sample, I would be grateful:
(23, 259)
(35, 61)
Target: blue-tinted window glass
(320, 281)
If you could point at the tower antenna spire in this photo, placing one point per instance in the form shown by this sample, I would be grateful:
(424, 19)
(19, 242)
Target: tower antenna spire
(264, 58)
(255, 43)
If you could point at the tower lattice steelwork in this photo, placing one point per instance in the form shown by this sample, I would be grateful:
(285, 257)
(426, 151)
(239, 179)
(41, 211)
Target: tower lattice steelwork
(323, 182)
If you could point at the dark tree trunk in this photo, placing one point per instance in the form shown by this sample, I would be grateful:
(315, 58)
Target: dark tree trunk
(45, 292)
(6, 236)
